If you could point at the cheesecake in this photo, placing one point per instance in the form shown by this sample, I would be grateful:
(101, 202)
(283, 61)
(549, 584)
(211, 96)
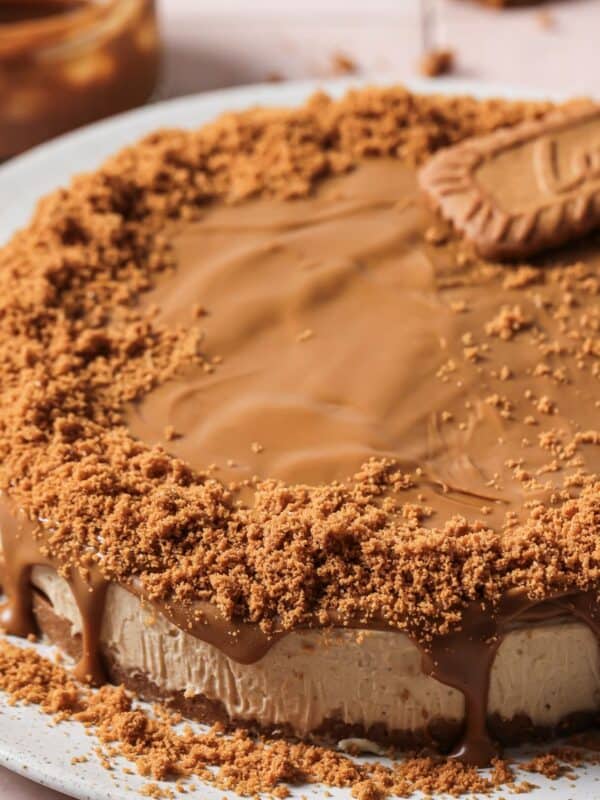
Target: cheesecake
(298, 425)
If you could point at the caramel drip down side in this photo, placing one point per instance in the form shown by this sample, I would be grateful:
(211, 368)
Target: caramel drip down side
(464, 658)
(90, 598)
(243, 642)
(20, 552)
(22, 549)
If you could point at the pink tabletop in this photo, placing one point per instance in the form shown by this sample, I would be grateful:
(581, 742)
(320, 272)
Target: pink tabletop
(211, 44)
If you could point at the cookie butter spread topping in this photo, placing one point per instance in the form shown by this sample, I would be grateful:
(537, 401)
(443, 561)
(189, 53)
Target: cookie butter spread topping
(309, 403)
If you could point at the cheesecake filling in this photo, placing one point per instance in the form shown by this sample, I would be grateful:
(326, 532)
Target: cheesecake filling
(544, 671)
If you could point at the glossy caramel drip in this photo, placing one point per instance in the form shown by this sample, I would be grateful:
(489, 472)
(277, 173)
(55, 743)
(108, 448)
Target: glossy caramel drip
(21, 552)
(90, 596)
(464, 658)
(22, 549)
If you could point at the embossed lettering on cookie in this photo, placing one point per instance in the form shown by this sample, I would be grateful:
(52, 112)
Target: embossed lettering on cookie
(520, 191)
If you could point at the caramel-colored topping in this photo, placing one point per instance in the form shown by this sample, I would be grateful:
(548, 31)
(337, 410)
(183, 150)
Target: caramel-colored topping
(523, 190)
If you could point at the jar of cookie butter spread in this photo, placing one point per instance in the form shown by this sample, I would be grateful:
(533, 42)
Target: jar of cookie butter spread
(64, 63)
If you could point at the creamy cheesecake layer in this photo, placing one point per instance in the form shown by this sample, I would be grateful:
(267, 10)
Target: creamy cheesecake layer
(545, 672)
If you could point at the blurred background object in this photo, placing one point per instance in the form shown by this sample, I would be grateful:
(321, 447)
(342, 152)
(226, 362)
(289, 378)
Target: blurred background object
(64, 63)
(210, 44)
(436, 57)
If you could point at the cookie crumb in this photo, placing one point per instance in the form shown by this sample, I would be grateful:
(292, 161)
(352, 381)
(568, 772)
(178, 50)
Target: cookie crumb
(437, 62)
(343, 64)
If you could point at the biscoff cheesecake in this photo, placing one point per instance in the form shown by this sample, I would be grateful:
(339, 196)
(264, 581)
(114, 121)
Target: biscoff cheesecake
(298, 426)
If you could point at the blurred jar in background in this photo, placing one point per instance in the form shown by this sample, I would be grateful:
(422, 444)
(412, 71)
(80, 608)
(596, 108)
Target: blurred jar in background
(64, 63)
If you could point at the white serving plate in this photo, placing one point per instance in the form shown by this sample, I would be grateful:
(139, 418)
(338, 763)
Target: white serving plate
(29, 743)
